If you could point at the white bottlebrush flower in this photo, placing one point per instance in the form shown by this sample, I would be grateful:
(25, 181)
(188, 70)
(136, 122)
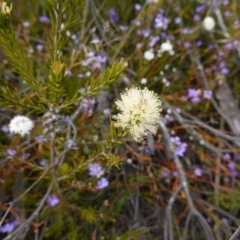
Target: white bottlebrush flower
(148, 55)
(140, 111)
(208, 23)
(20, 124)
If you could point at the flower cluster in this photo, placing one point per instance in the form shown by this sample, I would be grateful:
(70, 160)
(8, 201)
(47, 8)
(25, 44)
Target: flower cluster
(140, 111)
(180, 147)
(96, 170)
(20, 124)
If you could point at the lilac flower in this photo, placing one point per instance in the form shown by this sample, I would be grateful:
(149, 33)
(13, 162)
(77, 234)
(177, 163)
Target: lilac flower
(40, 139)
(199, 43)
(106, 111)
(153, 40)
(123, 27)
(95, 170)
(165, 174)
(224, 71)
(43, 163)
(177, 20)
(10, 153)
(137, 6)
(44, 19)
(225, 221)
(200, 8)
(198, 172)
(71, 143)
(161, 21)
(87, 105)
(196, 18)
(227, 156)
(102, 183)
(39, 47)
(229, 46)
(113, 17)
(5, 128)
(180, 147)
(8, 227)
(194, 95)
(52, 200)
(231, 166)
(207, 94)
(144, 32)
(187, 45)
(25, 156)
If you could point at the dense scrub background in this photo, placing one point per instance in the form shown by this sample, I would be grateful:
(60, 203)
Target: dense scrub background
(153, 192)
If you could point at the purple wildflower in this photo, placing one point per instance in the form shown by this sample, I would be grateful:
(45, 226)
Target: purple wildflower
(10, 153)
(52, 200)
(207, 94)
(180, 147)
(5, 128)
(95, 170)
(8, 227)
(113, 17)
(200, 8)
(43, 163)
(102, 183)
(87, 105)
(153, 40)
(194, 95)
(161, 21)
(225, 221)
(44, 19)
(144, 32)
(40, 139)
(137, 6)
(196, 18)
(25, 156)
(198, 172)
(71, 143)
(227, 156)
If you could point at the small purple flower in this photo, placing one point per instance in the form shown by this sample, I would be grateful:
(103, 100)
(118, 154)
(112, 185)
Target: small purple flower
(194, 95)
(52, 200)
(227, 156)
(113, 17)
(153, 40)
(5, 128)
(71, 143)
(11, 153)
(102, 183)
(229, 46)
(87, 105)
(196, 18)
(106, 111)
(43, 163)
(144, 32)
(44, 19)
(40, 139)
(187, 45)
(95, 170)
(177, 20)
(225, 221)
(199, 43)
(39, 47)
(25, 156)
(198, 172)
(224, 71)
(8, 227)
(161, 21)
(165, 174)
(207, 94)
(231, 166)
(137, 6)
(123, 28)
(200, 8)
(180, 147)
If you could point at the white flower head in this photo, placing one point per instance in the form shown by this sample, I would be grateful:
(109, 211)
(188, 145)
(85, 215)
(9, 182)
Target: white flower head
(149, 55)
(208, 23)
(20, 124)
(140, 109)
(166, 47)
